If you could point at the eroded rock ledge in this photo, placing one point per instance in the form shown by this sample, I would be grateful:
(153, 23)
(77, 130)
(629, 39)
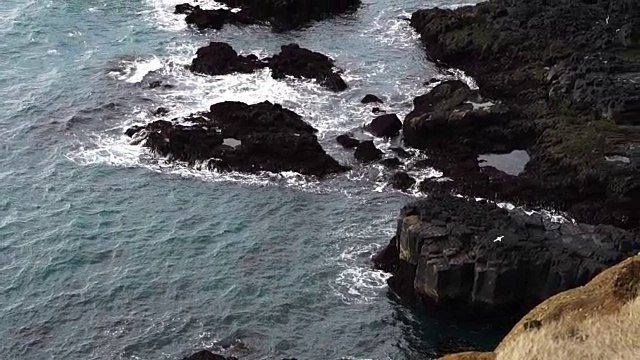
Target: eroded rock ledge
(240, 137)
(219, 58)
(281, 15)
(564, 81)
(476, 258)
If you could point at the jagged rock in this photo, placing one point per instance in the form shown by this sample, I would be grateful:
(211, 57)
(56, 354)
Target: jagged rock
(280, 14)
(241, 137)
(158, 83)
(347, 141)
(391, 163)
(220, 59)
(206, 355)
(377, 110)
(560, 75)
(402, 181)
(161, 111)
(367, 152)
(369, 98)
(303, 63)
(402, 153)
(474, 257)
(385, 126)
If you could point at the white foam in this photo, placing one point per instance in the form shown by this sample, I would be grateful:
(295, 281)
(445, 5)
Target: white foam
(135, 71)
(358, 283)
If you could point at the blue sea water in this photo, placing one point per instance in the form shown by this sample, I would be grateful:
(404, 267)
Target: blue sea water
(109, 252)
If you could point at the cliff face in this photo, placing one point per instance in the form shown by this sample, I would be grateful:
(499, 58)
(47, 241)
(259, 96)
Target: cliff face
(564, 80)
(475, 257)
(598, 321)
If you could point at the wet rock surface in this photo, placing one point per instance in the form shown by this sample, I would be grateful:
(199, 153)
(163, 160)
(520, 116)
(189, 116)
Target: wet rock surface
(388, 125)
(281, 15)
(371, 99)
(220, 59)
(240, 137)
(558, 79)
(473, 257)
(367, 152)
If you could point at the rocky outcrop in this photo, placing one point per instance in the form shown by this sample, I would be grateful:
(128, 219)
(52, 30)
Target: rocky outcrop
(220, 59)
(371, 99)
(303, 63)
(347, 141)
(578, 321)
(240, 137)
(207, 355)
(367, 152)
(562, 78)
(281, 15)
(387, 125)
(402, 181)
(476, 258)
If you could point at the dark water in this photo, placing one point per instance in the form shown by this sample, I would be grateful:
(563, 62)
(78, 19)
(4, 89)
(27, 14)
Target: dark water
(107, 252)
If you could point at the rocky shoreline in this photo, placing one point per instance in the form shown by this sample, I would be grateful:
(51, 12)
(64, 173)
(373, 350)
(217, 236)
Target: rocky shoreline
(557, 81)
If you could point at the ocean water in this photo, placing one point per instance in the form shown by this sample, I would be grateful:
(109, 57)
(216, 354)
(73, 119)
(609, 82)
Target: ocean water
(109, 252)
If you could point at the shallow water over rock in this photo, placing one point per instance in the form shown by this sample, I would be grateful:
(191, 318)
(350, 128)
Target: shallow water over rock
(512, 163)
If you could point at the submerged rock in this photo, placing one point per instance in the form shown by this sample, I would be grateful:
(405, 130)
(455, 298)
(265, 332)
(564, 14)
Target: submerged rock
(280, 14)
(556, 79)
(240, 137)
(474, 257)
(207, 355)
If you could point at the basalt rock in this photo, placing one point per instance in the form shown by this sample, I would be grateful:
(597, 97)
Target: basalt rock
(303, 63)
(281, 15)
(220, 59)
(240, 137)
(367, 152)
(371, 99)
(402, 181)
(347, 141)
(387, 125)
(475, 258)
(391, 163)
(558, 79)
(207, 355)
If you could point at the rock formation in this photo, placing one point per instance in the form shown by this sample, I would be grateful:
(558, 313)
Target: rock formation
(577, 323)
(473, 256)
(558, 79)
(220, 59)
(281, 15)
(241, 137)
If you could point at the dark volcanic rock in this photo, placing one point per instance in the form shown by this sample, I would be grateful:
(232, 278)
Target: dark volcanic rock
(391, 163)
(402, 181)
(205, 355)
(161, 111)
(369, 98)
(303, 63)
(377, 110)
(220, 59)
(402, 153)
(473, 256)
(367, 152)
(347, 141)
(280, 14)
(563, 76)
(241, 137)
(387, 125)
